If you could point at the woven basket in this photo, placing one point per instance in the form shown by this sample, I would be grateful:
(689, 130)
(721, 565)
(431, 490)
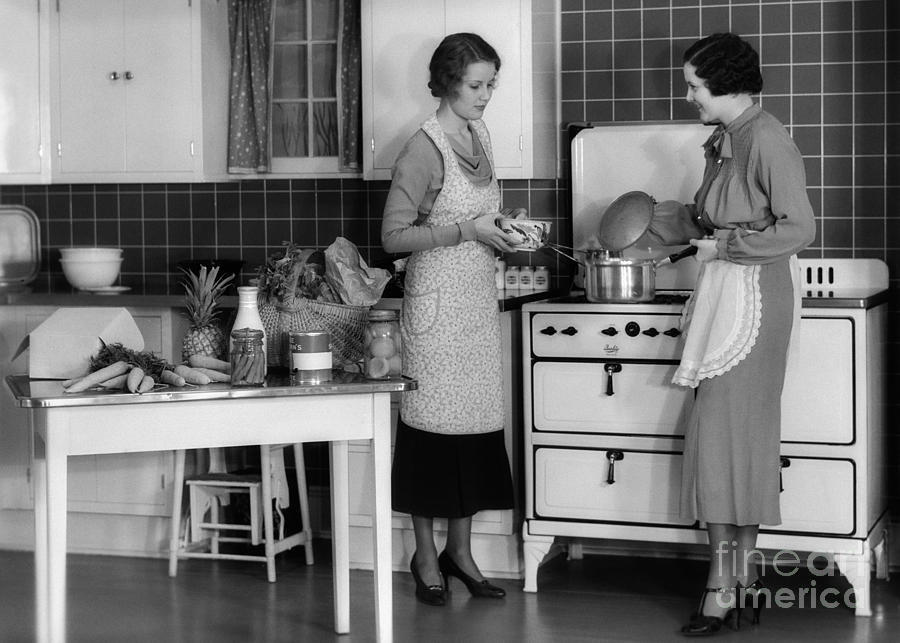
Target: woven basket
(346, 325)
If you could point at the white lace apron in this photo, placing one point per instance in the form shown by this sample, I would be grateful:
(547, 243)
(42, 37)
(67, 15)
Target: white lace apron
(721, 320)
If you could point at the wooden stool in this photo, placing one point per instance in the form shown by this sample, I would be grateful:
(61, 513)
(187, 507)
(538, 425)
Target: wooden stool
(209, 492)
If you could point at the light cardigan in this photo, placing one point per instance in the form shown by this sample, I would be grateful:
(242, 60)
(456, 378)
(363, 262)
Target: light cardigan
(417, 178)
(757, 207)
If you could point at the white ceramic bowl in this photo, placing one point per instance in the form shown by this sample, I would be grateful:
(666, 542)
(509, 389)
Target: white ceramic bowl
(93, 253)
(86, 273)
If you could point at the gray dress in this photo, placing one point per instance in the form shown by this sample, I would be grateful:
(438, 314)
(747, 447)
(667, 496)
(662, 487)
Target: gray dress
(753, 200)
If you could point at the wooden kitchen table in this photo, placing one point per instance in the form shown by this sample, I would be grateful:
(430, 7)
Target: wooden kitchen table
(348, 408)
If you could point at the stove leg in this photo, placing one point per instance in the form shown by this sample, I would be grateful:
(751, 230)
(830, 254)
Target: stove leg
(534, 549)
(882, 564)
(857, 569)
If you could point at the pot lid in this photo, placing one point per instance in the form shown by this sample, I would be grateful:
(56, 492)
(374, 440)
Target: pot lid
(625, 220)
(20, 246)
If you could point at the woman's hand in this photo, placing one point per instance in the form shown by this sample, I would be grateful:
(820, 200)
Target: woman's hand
(707, 249)
(489, 233)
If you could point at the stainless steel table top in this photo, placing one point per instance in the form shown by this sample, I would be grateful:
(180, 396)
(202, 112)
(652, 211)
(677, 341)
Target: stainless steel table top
(31, 393)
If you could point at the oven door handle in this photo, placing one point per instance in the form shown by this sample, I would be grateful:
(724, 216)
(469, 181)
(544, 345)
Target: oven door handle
(610, 368)
(613, 455)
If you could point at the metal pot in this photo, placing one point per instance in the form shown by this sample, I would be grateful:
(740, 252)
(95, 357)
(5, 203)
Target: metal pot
(612, 279)
(616, 280)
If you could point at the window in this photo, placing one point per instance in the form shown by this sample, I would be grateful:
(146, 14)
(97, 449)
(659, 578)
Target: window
(304, 103)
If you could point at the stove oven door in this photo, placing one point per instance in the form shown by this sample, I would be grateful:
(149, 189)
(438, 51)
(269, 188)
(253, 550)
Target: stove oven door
(608, 485)
(609, 397)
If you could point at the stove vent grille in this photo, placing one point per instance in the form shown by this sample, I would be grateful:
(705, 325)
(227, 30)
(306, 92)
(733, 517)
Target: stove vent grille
(841, 274)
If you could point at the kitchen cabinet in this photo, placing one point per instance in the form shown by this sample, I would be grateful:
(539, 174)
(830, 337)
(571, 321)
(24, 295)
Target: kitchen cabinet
(495, 535)
(604, 427)
(24, 87)
(521, 116)
(139, 90)
(132, 484)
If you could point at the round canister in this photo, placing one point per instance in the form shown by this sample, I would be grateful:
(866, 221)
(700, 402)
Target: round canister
(383, 345)
(310, 356)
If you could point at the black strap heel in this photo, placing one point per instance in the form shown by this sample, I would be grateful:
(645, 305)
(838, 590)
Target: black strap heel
(703, 625)
(755, 596)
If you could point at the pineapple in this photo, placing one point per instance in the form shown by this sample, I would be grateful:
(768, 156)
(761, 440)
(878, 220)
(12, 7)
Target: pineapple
(201, 299)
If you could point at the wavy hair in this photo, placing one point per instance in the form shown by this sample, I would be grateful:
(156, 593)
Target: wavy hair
(451, 58)
(728, 63)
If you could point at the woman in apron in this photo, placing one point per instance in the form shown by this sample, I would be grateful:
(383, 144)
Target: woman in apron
(450, 459)
(750, 218)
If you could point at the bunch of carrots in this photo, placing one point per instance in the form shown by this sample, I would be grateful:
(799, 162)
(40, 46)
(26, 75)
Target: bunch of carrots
(118, 368)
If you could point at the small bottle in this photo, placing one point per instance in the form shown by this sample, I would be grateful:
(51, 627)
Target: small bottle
(526, 278)
(248, 357)
(512, 278)
(382, 345)
(541, 278)
(500, 273)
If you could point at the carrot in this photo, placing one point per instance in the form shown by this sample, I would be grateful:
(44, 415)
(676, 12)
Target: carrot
(133, 381)
(170, 377)
(98, 376)
(116, 382)
(241, 368)
(214, 375)
(191, 376)
(146, 384)
(205, 361)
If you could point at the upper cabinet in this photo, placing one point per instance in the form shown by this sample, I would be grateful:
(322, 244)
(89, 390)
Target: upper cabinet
(397, 44)
(128, 82)
(114, 91)
(24, 85)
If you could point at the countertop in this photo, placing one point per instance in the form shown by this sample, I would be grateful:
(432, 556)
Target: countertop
(507, 302)
(49, 393)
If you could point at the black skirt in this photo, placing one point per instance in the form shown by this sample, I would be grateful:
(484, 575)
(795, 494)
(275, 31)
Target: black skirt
(449, 476)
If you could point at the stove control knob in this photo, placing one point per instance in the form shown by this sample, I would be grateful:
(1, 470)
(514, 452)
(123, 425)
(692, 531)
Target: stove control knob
(632, 329)
(610, 331)
(672, 332)
(651, 332)
(548, 331)
(571, 330)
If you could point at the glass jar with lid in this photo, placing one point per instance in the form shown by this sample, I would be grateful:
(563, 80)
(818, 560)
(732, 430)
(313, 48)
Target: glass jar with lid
(382, 345)
(248, 357)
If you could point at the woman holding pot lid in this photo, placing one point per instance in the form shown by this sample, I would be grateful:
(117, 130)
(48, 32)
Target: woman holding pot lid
(450, 459)
(750, 218)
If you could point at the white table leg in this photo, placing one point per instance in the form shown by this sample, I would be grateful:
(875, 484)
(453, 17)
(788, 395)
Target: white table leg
(265, 458)
(57, 467)
(340, 533)
(175, 527)
(381, 518)
(41, 578)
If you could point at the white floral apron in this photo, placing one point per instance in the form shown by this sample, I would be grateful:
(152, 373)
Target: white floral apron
(450, 323)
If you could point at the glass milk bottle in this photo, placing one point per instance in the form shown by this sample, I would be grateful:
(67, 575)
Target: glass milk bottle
(248, 312)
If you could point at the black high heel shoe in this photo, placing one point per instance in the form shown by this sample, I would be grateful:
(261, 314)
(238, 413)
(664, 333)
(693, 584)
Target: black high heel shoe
(754, 595)
(428, 594)
(482, 589)
(702, 625)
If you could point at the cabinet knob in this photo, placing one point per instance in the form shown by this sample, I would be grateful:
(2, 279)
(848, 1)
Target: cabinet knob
(113, 75)
(128, 75)
(672, 332)
(548, 331)
(611, 331)
(571, 330)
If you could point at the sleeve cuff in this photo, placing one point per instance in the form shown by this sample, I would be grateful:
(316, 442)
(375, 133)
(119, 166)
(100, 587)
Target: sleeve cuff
(722, 236)
(467, 230)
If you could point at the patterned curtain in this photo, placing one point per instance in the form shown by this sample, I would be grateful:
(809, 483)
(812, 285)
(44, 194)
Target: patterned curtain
(349, 71)
(248, 127)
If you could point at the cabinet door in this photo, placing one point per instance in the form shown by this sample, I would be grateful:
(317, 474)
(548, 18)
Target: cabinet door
(396, 53)
(124, 99)
(21, 81)
(91, 102)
